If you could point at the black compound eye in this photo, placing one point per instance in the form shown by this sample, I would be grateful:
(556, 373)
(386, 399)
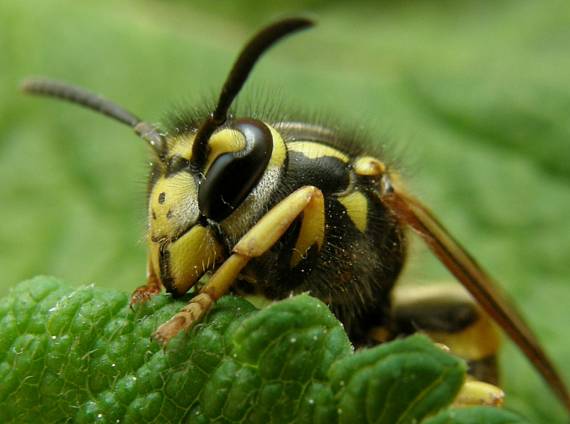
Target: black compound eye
(233, 175)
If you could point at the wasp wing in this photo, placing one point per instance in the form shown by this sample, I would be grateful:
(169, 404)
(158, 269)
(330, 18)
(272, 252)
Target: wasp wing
(481, 286)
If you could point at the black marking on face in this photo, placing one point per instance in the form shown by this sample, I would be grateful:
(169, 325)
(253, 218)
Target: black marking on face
(161, 197)
(169, 214)
(153, 215)
(165, 275)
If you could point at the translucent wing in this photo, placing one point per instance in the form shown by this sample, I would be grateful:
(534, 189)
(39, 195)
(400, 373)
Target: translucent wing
(481, 286)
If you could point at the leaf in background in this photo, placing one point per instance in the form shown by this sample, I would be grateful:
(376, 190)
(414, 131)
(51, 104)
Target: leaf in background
(476, 415)
(82, 354)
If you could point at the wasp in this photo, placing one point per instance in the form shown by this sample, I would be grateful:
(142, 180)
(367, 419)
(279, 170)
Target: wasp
(278, 206)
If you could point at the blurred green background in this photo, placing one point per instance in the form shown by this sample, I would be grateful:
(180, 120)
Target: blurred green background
(474, 96)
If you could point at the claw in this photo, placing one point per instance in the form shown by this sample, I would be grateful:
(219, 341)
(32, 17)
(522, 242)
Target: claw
(185, 319)
(143, 294)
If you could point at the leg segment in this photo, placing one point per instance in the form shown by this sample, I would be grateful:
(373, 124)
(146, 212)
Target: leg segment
(254, 243)
(475, 393)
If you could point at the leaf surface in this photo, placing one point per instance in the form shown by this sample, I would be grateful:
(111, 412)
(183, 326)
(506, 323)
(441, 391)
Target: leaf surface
(83, 355)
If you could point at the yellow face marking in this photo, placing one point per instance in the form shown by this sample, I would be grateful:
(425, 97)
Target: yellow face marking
(181, 146)
(369, 166)
(356, 206)
(227, 141)
(224, 141)
(173, 205)
(191, 256)
(314, 150)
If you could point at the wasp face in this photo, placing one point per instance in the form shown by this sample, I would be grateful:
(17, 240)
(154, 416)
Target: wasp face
(191, 204)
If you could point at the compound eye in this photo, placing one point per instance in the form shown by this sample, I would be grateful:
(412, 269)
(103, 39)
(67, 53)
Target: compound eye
(232, 176)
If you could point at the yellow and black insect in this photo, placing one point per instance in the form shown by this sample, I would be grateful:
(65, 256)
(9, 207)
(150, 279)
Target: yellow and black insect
(275, 207)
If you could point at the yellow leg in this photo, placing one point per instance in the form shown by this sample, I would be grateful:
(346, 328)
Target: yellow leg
(478, 393)
(145, 292)
(254, 243)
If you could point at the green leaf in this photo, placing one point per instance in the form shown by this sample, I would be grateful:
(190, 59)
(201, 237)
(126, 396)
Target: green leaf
(277, 366)
(401, 382)
(476, 415)
(84, 355)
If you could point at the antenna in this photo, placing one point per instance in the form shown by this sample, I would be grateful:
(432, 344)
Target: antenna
(237, 77)
(89, 100)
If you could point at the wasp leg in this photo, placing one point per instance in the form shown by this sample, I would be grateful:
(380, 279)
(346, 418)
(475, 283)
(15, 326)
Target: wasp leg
(258, 240)
(476, 393)
(148, 290)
